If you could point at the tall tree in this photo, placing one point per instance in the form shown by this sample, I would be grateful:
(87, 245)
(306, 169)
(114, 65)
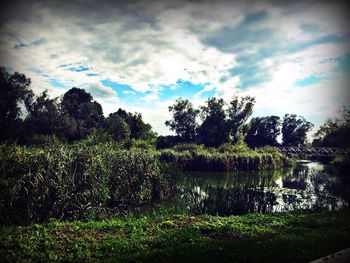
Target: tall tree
(138, 128)
(45, 116)
(117, 127)
(14, 95)
(214, 129)
(239, 111)
(295, 129)
(263, 131)
(83, 113)
(184, 120)
(335, 132)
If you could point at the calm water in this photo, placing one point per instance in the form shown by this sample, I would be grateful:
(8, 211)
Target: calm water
(308, 185)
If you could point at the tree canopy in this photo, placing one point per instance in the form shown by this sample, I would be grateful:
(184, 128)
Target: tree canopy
(294, 130)
(335, 132)
(263, 131)
(184, 120)
(15, 95)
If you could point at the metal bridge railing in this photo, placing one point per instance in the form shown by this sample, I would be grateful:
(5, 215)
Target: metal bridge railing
(313, 151)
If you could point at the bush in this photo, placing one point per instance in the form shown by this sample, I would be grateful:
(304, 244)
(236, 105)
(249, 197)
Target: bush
(234, 148)
(189, 147)
(342, 163)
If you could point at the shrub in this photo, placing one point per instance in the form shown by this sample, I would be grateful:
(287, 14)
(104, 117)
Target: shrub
(75, 181)
(234, 148)
(189, 147)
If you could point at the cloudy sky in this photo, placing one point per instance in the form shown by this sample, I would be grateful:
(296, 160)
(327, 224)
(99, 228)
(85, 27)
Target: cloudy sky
(142, 55)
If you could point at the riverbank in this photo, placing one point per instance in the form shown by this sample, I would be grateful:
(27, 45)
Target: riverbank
(86, 180)
(271, 237)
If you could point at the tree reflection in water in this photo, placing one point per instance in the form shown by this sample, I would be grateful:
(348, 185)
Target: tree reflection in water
(306, 186)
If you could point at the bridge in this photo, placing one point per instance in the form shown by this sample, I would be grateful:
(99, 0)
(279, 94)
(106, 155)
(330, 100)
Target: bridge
(311, 151)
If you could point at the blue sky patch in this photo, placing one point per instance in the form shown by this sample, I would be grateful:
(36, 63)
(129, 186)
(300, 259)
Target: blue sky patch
(310, 80)
(78, 69)
(123, 91)
(57, 84)
(310, 28)
(184, 89)
(91, 74)
(343, 63)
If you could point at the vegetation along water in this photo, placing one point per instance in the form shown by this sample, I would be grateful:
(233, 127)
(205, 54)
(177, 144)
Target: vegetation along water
(78, 186)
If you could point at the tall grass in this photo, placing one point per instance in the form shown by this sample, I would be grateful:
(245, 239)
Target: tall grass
(77, 181)
(225, 158)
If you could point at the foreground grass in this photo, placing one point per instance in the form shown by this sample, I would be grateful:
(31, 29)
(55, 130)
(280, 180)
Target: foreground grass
(282, 237)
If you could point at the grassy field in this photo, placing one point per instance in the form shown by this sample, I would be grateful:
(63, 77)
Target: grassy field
(279, 237)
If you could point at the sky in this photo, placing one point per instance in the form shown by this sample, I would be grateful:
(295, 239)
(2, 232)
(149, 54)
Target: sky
(292, 56)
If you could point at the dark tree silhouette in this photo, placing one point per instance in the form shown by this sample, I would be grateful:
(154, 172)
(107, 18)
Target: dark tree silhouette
(83, 113)
(335, 132)
(294, 130)
(117, 127)
(238, 113)
(184, 120)
(14, 95)
(263, 131)
(138, 128)
(214, 129)
(45, 117)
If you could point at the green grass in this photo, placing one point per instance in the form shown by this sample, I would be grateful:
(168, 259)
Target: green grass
(279, 237)
(228, 157)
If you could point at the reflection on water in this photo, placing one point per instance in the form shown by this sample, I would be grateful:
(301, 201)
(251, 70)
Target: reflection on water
(308, 185)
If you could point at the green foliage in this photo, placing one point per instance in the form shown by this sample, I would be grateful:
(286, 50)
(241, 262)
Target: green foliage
(294, 130)
(214, 130)
(263, 131)
(188, 147)
(184, 120)
(234, 148)
(149, 144)
(138, 129)
(335, 132)
(75, 181)
(14, 91)
(238, 113)
(82, 113)
(117, 127)
(45, 117)
(225, 158)
(342, 163)
(302, 237)
(168, 141)
(221, 123)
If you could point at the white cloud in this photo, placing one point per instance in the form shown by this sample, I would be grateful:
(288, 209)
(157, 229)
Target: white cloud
(147, 46)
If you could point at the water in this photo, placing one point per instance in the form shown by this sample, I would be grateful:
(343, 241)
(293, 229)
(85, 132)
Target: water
(307, 186)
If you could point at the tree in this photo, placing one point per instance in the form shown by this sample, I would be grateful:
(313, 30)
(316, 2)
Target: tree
(44, 116)
(117, 127)
(263, 131)
(83, 114)
(335, 132)
(184, 120)
(14, 95)
(138, 128)
(238, 113)
(294, 130)
(214, 129)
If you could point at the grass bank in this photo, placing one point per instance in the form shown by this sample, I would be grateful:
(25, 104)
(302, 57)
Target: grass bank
(279, 237)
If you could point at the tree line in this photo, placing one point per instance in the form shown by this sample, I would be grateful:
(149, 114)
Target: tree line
(223, 122)
(25, 118)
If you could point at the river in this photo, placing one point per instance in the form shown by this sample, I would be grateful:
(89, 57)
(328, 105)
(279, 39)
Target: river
(306, 186)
